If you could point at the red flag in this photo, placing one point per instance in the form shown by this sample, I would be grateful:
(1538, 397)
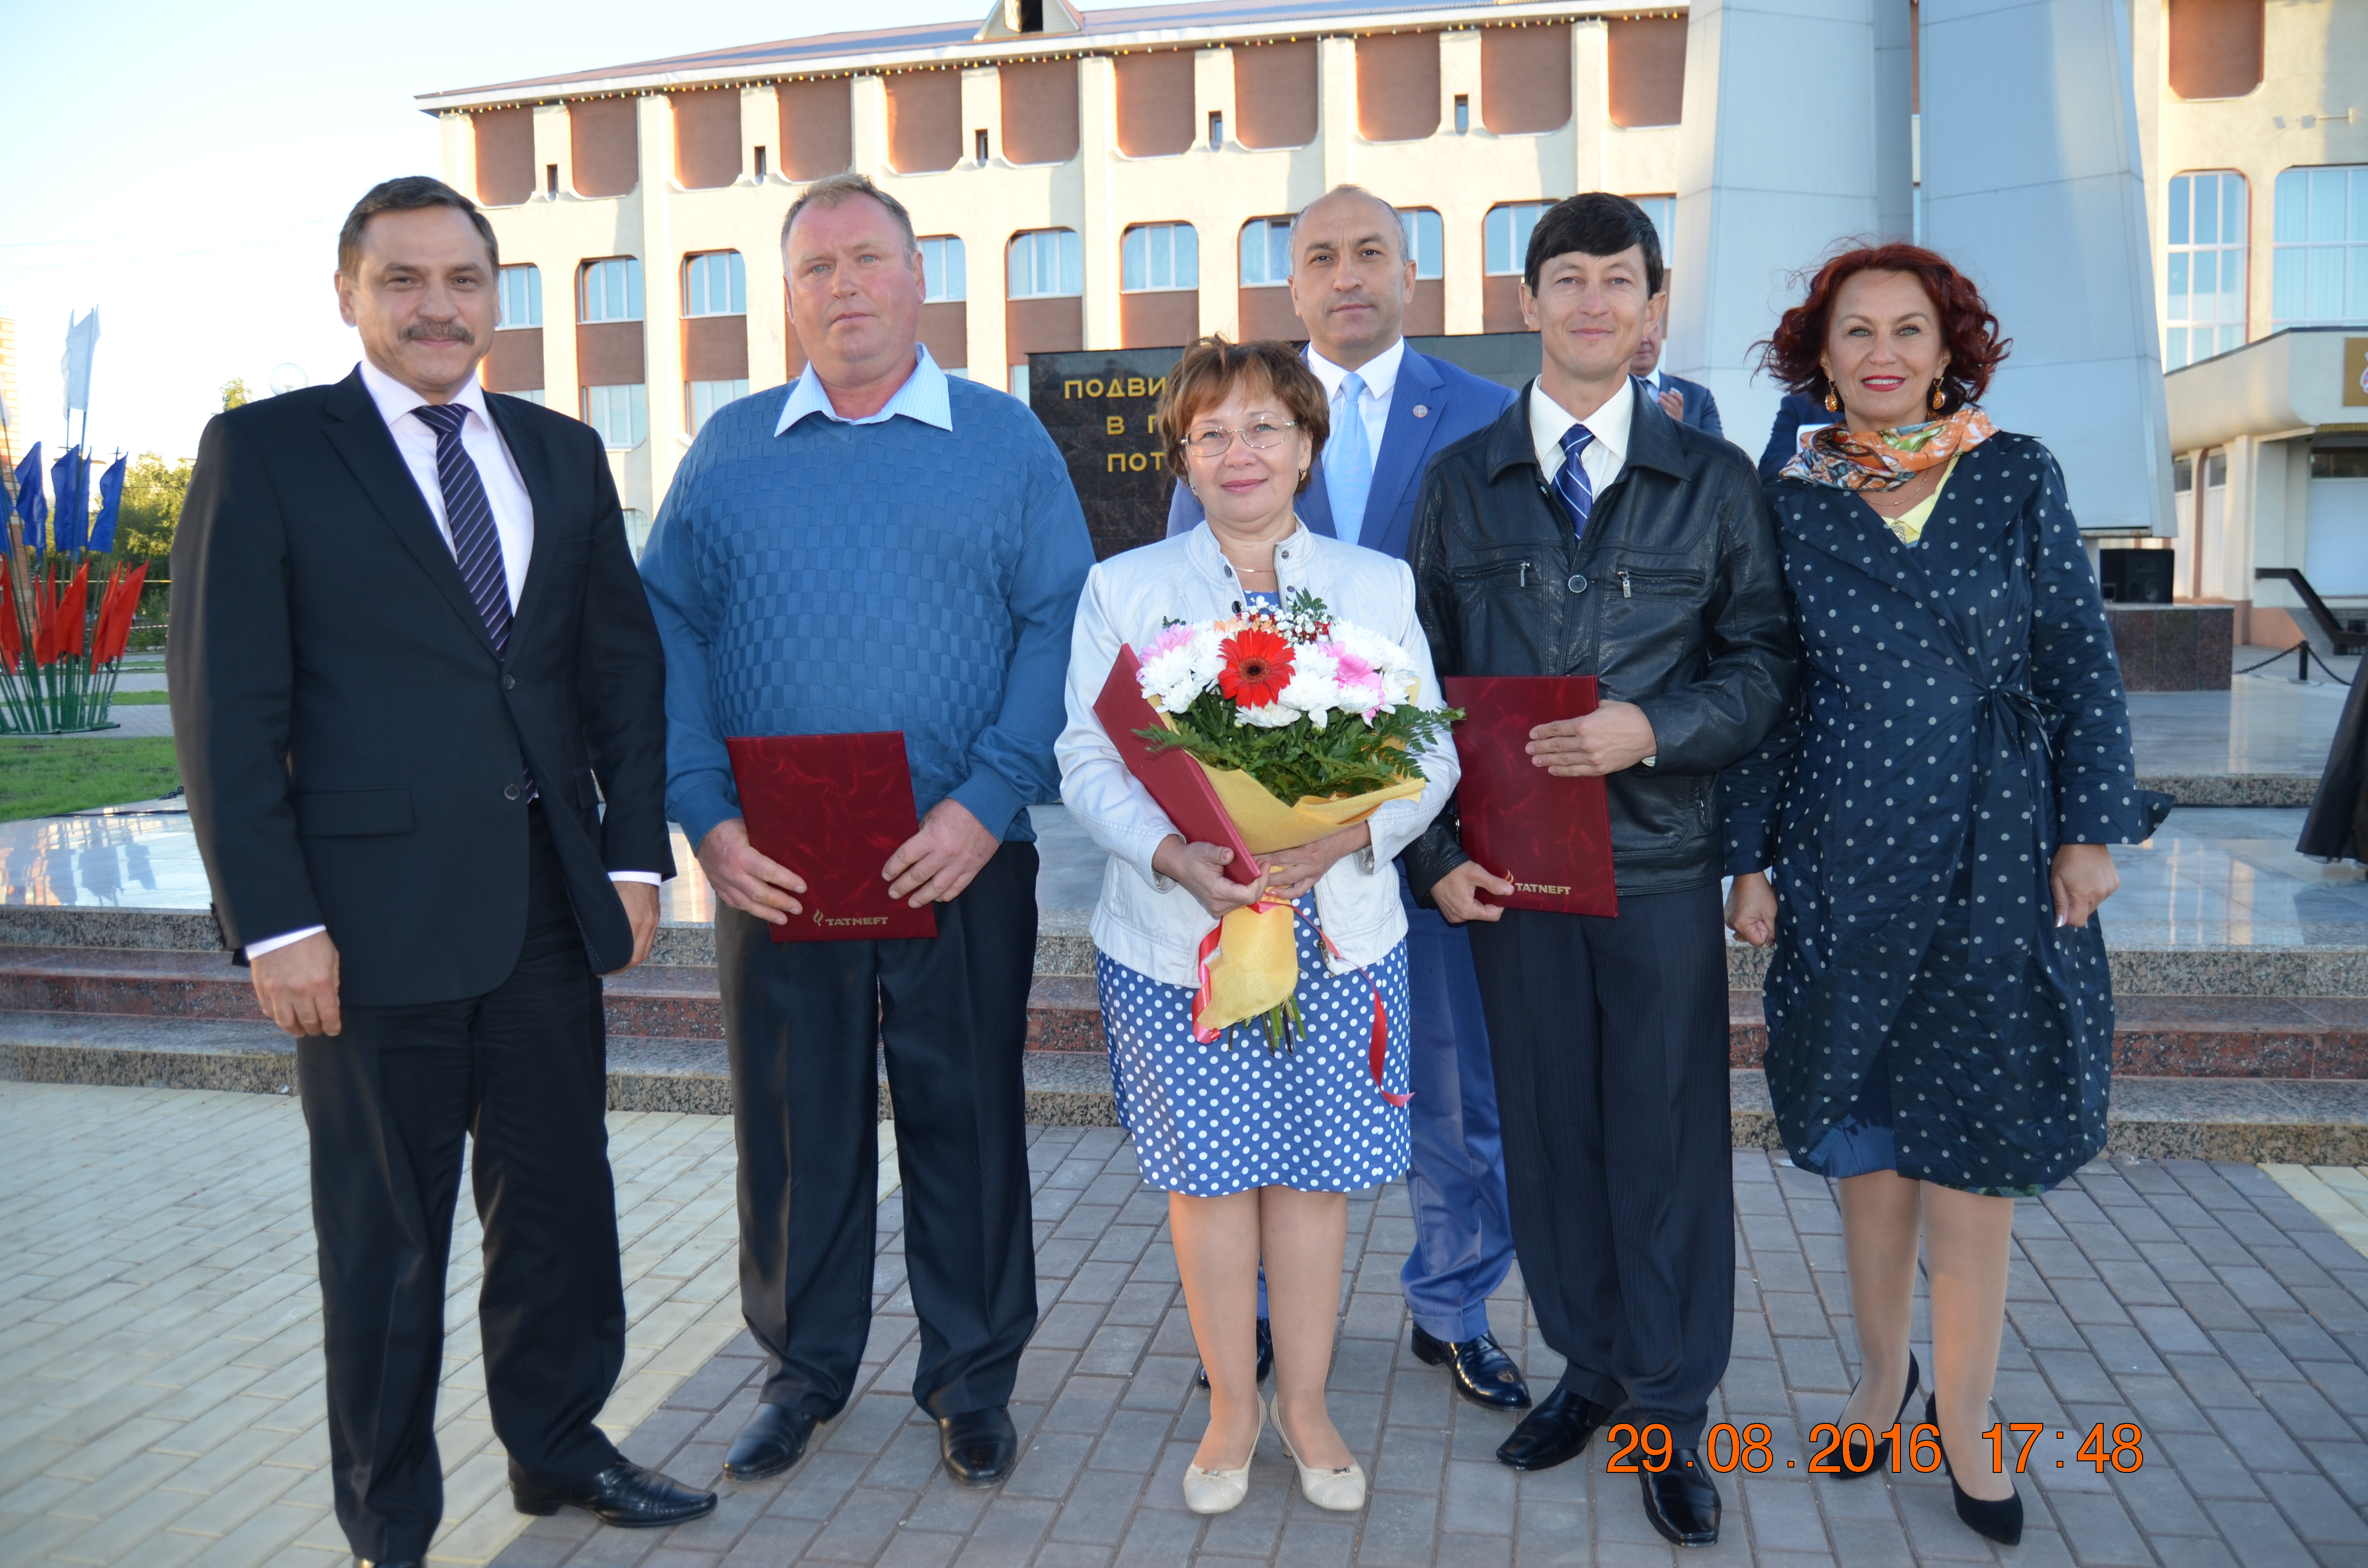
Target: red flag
(116, 611)
(72, 606)
(12, 640)
(45, 618)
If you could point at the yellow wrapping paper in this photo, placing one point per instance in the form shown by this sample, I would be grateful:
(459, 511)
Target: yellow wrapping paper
(1256, 963)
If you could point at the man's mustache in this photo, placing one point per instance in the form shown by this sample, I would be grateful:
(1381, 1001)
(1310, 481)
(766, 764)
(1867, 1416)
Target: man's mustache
(438, 331)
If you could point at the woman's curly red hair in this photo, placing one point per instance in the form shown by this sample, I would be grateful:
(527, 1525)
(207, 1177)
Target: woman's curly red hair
(1967, 327)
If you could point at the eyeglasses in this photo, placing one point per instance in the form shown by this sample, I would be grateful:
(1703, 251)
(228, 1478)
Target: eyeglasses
(1212, 442)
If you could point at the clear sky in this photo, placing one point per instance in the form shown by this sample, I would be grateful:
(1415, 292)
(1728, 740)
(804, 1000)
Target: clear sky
(185, 168)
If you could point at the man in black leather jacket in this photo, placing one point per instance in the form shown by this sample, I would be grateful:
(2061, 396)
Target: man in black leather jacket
(1585, 532)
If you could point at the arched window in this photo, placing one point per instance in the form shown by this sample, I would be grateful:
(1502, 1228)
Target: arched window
(1505, 237)
(1266, 253)
(1158, 255)
(944, 273)
(521, 297)
(1426, 241)
(716, 284)
(611, 291)
(2318, 266)
(2204, 304)
(1045, 264)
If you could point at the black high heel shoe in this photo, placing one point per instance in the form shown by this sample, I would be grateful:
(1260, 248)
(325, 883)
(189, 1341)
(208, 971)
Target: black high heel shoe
(2000, 1521)
(1857, 1460)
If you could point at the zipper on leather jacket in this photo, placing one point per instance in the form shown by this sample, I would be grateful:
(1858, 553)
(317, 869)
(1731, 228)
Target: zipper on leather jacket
(1627, 589)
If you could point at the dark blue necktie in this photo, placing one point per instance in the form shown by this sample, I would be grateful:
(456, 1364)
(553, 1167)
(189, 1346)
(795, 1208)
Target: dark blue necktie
(476, 543)
(1570, 485)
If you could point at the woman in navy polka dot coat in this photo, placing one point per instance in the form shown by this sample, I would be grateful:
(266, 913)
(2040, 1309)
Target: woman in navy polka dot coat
(1924, 838)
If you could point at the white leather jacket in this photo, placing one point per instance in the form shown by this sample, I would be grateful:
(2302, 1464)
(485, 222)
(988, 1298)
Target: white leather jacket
(1143, 920)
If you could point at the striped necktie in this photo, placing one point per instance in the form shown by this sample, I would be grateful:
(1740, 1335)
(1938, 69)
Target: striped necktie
(476, 545)
(1570, 485)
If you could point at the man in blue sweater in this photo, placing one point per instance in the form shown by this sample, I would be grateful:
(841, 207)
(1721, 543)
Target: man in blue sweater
(876, 546)
(1393, 410)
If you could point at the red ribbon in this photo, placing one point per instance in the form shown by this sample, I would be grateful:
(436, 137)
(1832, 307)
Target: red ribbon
(1377, 1048)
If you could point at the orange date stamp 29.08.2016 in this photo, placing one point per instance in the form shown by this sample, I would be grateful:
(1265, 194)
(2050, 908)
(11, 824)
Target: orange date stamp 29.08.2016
(1725, 1448)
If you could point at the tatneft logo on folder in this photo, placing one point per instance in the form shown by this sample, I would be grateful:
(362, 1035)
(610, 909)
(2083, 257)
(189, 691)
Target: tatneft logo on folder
(1550, 838)
(833, 809)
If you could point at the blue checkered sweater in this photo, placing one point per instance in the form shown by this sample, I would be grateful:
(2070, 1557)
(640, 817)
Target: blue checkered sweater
(841, 578)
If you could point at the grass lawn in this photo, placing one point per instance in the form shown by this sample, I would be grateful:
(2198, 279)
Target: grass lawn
(142, 698)
(46, 778)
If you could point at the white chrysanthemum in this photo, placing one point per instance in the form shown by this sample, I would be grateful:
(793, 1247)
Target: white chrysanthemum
(1400, 680)
(1173, 679)
(1314, 688)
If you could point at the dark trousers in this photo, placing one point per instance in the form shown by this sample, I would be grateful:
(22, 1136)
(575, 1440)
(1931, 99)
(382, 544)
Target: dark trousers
(802, 1019)
(1463, 1236)
(1609, 1041)
(520, 1075)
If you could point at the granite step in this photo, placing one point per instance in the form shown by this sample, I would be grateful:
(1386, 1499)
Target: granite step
(2254, 1037)
(2307, 1122)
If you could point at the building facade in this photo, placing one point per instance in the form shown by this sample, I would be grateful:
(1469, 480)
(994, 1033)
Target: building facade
(1119, 178)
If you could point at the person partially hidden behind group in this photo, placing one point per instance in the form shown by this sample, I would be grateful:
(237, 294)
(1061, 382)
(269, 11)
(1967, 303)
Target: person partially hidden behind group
(1257, 1151)
(1954, 765)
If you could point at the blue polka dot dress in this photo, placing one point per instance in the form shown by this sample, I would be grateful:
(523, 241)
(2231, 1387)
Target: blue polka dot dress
(1960, 716)
(1213, 1120)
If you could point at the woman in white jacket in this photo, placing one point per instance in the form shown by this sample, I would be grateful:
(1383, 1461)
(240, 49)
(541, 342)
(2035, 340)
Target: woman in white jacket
(1257, 1151)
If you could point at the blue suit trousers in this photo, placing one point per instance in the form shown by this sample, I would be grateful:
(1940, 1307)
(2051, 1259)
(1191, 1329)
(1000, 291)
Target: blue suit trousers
(1462, 1225)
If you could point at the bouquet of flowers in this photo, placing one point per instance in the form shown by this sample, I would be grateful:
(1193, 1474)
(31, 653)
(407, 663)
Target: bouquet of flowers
(1305, 724)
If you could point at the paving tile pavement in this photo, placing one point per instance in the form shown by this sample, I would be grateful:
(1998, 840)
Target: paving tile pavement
(160, 1327)
(2205, 1304)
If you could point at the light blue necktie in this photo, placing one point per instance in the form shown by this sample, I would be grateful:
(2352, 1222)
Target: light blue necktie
(1570, 485)
(1349, 461)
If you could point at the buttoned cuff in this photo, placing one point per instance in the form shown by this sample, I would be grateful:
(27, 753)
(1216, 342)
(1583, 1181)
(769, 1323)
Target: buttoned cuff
(652, 878)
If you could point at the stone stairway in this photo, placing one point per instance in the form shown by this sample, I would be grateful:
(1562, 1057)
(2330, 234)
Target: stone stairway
(2225, 1053)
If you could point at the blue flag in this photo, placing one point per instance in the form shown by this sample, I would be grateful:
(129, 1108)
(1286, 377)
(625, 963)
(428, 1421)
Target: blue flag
(70, 484)
(111, 500)
(31, 505)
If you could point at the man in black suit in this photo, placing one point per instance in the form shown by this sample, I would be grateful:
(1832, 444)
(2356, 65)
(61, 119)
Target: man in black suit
(1688, 402)
(411, 660)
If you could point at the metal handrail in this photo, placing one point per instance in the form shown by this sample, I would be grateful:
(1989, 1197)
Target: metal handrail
(2343, 641)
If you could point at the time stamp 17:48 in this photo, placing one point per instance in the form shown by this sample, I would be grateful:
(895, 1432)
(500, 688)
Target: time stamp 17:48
(1725, 1448)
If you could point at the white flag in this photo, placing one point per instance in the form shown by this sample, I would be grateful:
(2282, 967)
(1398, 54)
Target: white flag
(82, 341)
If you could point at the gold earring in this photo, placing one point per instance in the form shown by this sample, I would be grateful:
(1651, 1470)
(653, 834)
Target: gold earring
(1833, 403)
(1936, 394)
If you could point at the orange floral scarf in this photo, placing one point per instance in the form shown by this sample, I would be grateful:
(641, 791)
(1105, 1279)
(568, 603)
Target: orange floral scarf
(1885, 460)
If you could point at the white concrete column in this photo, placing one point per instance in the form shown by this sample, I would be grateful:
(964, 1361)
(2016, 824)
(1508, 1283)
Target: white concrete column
(1590, 81)
(982, 109)
(2031, 185)
(868, 109)
(1895, 164)
(1461, 209)
(1096, 165)
(1220, 251)
(1769, 178)
(1336, 120)
(552, 146)
(457, 142)
(760, 126)
(661, 301)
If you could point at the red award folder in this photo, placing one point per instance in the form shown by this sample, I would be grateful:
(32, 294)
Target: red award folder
(1550, 838)
(833, 808)
(1175, 780)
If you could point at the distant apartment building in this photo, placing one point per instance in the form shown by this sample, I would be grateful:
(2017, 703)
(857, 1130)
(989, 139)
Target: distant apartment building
(1123, 177)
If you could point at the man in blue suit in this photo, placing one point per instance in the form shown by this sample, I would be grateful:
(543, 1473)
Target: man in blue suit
(1391, 410)
(1688, 402)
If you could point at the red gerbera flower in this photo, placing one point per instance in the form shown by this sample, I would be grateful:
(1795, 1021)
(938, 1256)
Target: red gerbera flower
(1258, 666)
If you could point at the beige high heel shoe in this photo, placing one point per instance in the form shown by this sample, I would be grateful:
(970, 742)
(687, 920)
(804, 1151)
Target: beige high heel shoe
(1342, 1491)
(1221, 1491)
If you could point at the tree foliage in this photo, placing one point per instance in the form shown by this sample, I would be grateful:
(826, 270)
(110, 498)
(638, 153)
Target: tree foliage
(235, 394)
(154, 489)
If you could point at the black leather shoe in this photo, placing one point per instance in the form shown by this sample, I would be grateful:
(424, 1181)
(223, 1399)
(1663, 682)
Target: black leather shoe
(1266, 1358)
(1857, 1460)
(2001, 1520)
(386, 1562)
(1682, 1502)
(623, 1494)
(774, 1439)
(979, 1446)
(1483, 1372)
(1554, 1432)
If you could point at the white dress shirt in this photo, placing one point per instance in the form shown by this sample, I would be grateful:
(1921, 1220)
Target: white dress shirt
(1381, 377)
(1603, 457)
(505, 492)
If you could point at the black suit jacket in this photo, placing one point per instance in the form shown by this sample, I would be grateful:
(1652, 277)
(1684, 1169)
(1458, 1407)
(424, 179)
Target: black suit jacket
(351, 743)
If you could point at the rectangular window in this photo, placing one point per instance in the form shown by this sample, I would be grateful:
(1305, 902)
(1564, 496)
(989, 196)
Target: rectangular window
(2339, 462)
(612, 290)
(760, 163)
(1266, 253)
(522, 296)
(945, 275)
(622, 415)
(716, 284)
(1505, 237)
(534, 397)
(706, 397)
(978, 139)
(1216, 130)
(1020, 383)
(1463, 113)
(1048, 264)
(551, 179)
(1159, 256)
(1425, 241)
(2318, 270)
(1663, 211)
(2203, 305)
